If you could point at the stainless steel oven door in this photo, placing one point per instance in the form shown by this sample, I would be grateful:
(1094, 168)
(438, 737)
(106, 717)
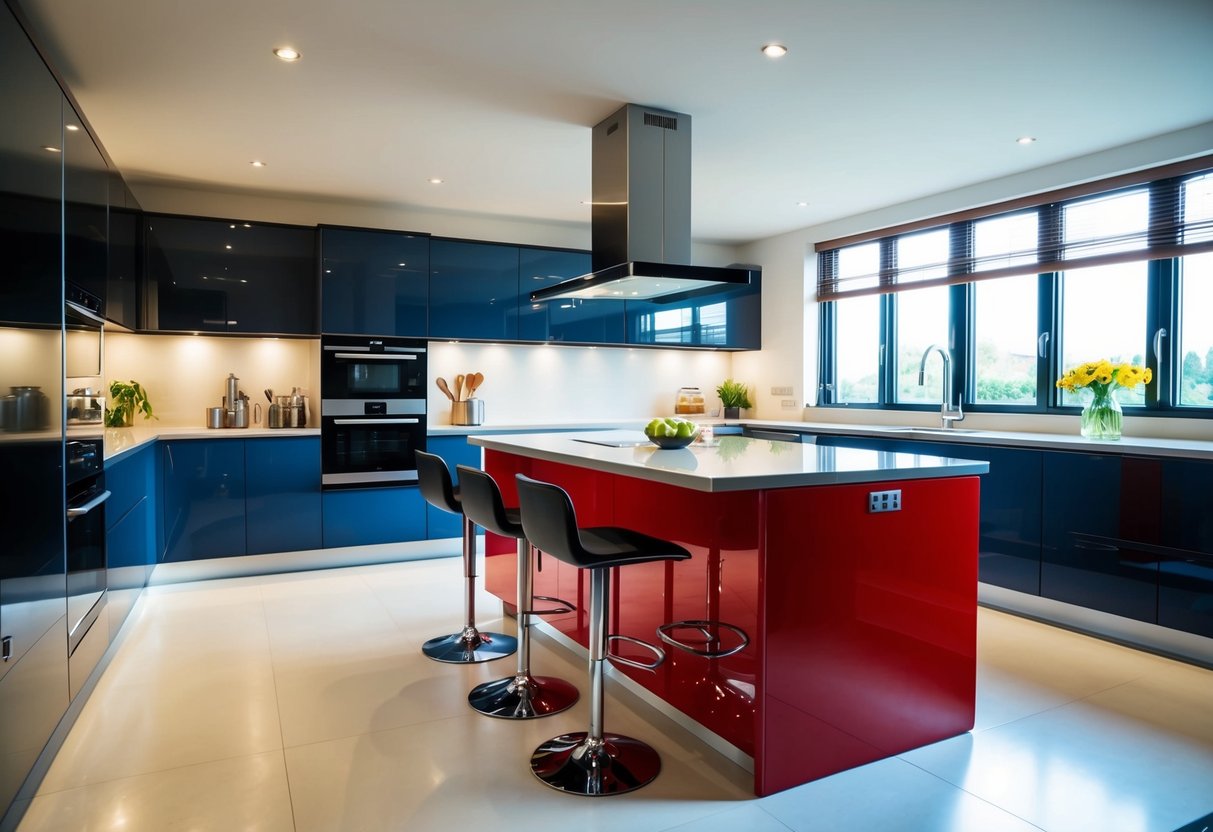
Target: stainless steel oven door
(86, 558)
(372, 443)
(396, 370)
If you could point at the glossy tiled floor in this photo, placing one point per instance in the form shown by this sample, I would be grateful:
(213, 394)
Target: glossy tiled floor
(302, 702)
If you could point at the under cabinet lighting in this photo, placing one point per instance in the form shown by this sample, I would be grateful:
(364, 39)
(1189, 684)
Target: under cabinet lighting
(286, 53)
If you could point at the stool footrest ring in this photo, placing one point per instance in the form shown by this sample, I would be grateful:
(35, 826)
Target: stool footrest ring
(704, 628)
(565, 606)
(615, 658)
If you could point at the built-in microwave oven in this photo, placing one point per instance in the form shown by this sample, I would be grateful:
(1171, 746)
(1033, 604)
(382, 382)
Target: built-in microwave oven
(372, 410)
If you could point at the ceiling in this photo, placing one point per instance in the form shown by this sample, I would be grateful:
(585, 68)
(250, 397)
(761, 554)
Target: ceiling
(877, 102)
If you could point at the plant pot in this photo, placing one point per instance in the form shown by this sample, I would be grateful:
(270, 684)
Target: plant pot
(732, 413)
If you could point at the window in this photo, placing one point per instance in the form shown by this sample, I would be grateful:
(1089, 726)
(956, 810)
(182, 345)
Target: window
(1196, 332)
(1021, 296)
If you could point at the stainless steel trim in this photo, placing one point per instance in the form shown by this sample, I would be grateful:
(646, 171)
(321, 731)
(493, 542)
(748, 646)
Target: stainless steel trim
(87, 314)
(377, 477)
(375, 421)
(364, 350)
(80, 511)
(357, 407)
(656, 651)
(374, 356)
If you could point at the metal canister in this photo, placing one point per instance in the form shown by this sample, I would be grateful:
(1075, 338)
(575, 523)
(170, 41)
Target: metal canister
(216, 417)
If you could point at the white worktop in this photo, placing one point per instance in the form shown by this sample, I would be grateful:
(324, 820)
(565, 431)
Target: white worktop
(122, 441)
(731, 463)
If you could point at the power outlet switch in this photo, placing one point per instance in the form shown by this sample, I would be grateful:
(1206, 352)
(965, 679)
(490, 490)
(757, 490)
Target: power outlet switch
(781, 391)
(879, 501)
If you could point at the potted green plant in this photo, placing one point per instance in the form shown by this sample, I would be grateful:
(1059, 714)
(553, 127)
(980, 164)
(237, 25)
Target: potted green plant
(733, 397)
(126, 398)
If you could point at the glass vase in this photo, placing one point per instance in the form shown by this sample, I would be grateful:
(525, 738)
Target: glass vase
(1102, 417)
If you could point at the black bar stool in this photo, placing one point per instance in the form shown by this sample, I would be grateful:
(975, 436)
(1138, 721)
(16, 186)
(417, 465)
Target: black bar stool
(593, 762)
(469, 645)
(521, 696)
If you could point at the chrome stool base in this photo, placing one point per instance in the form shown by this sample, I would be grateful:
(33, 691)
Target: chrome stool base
(470, 647)
(615, 764)
(523, 697)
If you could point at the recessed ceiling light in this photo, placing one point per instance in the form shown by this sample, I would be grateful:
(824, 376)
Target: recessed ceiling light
(402, 265)
(434, 180)
(257, 163)
(232, 226)
(72, 127)
(286, 53)
(774, 50)
(1025, 140)
(229, 248)
(802, 205)
(51, 148)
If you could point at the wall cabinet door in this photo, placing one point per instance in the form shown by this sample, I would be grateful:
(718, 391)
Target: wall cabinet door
(204, 491)
(473, 290)
(283, 494)
(85, 209)
(374, 282)
(209, 275)
(728, 318)
(570, 320)
(1098, 511)
(122, 288)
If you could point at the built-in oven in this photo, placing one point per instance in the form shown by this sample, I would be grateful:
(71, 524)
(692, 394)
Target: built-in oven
(85, 536)
(372, 410)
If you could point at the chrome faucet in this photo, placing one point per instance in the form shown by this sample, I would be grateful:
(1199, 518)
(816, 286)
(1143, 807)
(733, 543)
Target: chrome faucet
(946, 413)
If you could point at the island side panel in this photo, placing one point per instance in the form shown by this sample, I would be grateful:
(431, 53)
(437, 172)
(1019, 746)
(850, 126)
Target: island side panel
(871, 625)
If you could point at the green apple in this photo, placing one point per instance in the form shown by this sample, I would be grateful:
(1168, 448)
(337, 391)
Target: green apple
(686, 430)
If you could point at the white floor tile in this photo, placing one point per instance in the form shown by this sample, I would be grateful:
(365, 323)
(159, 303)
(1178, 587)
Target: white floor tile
(242, 793)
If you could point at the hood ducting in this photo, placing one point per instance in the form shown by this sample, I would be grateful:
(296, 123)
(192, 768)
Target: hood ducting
(641, 213)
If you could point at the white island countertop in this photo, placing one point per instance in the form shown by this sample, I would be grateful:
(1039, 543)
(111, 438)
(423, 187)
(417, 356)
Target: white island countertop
(731, 463)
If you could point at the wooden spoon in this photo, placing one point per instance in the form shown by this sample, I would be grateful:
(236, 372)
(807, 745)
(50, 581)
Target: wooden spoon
(474, 384)
(442, 386)
(459, 387)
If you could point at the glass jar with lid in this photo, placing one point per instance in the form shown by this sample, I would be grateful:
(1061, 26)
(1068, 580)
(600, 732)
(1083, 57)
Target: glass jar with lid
(689, 400)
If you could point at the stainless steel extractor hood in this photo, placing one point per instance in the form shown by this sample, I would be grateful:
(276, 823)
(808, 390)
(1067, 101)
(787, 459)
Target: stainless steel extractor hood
(641, 214)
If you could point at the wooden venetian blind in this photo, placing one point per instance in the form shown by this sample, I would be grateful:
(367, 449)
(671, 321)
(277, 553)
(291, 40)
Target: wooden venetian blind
(1161, 213)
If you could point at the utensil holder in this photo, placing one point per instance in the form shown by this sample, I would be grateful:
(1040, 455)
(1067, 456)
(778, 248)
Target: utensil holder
(467, 412)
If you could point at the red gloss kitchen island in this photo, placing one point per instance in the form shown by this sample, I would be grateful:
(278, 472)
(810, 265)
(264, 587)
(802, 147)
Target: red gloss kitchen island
(862, 623)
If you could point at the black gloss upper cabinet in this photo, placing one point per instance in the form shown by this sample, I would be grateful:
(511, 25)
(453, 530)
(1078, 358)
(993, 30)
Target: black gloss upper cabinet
(573, 320)
(122, 286)
(212, 275)
(473, 290)
(31, 183)
(727, 318)
(86, 191)
(374, 282)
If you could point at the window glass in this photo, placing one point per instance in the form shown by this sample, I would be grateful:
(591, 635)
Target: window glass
(1104, 317)
(1119, 220)
(1004, 341)
(859, 262)
(1198, 208)
(671, 326)
(1196, 331)
(922, 256)
(1000, 242)
(922, 320)
(713, 323)
(857, 350)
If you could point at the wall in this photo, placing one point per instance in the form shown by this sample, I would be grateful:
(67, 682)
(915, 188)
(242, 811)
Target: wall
(185, 374)
(789, 272)
(529, 384)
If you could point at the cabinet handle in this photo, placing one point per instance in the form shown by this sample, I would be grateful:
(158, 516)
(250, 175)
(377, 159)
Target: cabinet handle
(80, 511)
(1042, 345)
(6, 648)
(1158, 336)
(375, 421)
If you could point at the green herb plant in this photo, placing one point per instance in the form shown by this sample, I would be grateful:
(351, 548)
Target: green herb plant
(733, 394)
(125, 400)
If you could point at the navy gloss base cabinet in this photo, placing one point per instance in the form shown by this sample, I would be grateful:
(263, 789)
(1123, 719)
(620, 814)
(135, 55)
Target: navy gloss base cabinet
(229, 497)
(130, 535)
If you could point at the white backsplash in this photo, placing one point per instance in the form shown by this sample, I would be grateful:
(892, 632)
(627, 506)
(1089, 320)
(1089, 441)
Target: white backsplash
(185, 374)
(528, 384)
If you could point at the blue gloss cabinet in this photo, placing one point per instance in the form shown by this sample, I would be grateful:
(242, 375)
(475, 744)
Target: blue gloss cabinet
(728, 318)
(1185, 579)
(1100, 521)
(365, 516)
(282, 494)
(130, 521)
(568, 320)
(454, 450)
(374, 282)
(473, 290)
(204, 487)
